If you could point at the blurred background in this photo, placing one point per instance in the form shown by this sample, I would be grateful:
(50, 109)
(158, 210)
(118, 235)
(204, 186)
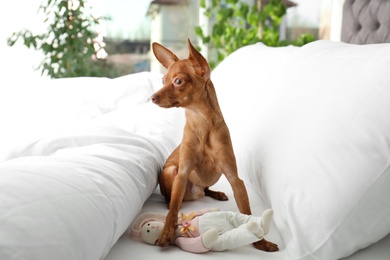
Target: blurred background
(130, 26)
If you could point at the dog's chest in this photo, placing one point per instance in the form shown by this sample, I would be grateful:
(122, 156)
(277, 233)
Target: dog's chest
(206, 173)
(206, 165)
(208, 160)
(207, 146)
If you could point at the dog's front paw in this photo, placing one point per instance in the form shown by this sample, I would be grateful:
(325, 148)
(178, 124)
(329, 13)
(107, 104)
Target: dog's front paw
(167, 237)
(267, 246)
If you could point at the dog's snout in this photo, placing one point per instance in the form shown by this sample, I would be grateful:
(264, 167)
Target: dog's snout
(155, 98)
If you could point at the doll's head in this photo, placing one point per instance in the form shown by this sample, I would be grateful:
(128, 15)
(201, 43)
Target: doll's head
(147, 227)
(151, 231)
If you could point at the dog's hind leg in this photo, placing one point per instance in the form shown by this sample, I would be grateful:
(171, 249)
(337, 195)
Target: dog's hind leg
(218, 195)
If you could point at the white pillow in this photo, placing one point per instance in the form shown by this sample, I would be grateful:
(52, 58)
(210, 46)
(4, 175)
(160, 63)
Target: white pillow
(311, 131)
(74, 189)
(48, 106)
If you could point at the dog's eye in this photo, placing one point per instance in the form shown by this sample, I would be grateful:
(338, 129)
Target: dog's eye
(162, 80)
(177, 82)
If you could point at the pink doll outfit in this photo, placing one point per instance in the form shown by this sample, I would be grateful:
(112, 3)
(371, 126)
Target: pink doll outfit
(231, 227)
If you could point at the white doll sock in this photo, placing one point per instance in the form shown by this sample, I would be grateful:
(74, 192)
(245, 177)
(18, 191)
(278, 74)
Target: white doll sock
(266, 220)
(255, 228)
(262, 228)
(209, 237)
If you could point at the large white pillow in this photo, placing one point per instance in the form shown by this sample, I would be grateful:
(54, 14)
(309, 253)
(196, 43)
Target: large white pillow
(83, 155)
(311, 132)
(47, 106)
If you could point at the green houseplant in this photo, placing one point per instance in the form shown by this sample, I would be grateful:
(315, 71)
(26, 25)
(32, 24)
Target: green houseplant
(239, 24)
(69, 45)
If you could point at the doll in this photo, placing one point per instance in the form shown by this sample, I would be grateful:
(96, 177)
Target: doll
(206, 229)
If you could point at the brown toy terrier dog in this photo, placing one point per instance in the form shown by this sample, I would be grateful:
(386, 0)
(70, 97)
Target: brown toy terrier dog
(206, 151)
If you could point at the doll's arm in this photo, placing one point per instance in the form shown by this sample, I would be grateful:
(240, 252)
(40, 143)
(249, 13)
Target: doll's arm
(203, 211)
(194, 214)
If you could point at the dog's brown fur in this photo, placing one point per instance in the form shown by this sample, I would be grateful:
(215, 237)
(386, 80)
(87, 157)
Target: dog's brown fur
(206, 150)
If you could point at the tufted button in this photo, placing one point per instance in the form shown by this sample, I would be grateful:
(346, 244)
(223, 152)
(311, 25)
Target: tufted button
(357, 27)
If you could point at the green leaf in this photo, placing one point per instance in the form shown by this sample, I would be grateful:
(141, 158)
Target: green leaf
(67, 44)
(231, 2)
(199, 31)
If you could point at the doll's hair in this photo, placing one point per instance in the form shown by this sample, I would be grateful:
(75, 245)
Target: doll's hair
(135, 231)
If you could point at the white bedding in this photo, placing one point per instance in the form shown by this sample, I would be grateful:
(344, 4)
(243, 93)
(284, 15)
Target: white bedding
(81, 160)
(79, 157)
(127, 248)
(311, 132)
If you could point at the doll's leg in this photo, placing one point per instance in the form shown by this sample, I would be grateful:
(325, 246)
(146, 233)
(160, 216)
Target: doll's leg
(255, 228)
(236, 219)
(199, 244)
(236, 237)
(264, 221)
(226, 220)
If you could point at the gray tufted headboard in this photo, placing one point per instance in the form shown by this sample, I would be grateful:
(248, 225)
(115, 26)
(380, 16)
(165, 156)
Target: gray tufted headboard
(366, 21)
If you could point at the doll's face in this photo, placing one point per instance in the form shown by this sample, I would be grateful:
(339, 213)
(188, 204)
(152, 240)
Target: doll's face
(151, 231)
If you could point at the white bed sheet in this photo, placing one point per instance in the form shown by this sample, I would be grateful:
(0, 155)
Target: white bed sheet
(128, 248)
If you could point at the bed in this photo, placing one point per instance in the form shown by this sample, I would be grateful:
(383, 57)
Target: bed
(79, 158)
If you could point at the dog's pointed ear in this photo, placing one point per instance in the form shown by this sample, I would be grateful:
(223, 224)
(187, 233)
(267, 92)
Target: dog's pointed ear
(163, 55)
(200, 64)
